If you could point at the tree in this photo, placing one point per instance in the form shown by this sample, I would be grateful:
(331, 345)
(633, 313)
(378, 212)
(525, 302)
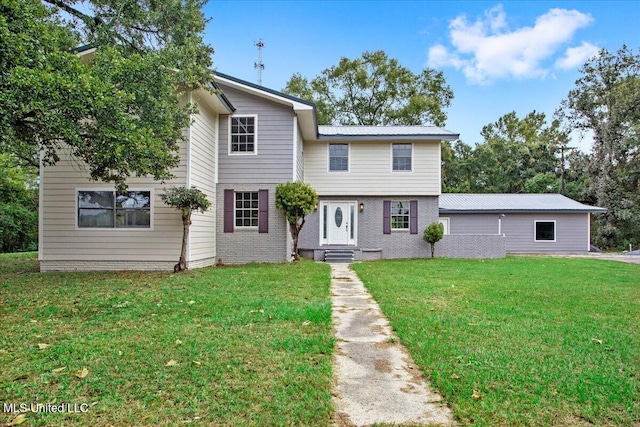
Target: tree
(18, 206)
(187, 201)
(517, 155)
(296, 199)
(606, 102)
(375, 90)
(120, 114)
(433, 234)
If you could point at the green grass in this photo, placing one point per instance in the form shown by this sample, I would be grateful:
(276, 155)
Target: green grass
(253, 345)
(542, 341)
(22, 262)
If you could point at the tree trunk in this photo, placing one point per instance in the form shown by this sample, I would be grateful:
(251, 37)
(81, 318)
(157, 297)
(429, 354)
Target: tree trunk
(186, 222)
(432, 248)
(295, 231)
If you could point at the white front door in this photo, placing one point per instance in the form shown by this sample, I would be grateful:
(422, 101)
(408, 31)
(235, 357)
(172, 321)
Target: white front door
(338, 223)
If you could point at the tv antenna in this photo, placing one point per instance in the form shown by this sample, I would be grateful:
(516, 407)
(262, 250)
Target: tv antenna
(259, 65)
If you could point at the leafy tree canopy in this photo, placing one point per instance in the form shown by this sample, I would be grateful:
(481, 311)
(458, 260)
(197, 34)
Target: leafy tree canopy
(296, 200)
(606, 102)
(375, 90)
(517, 155)
(18, 206)
(121, 114)
(187, 201)
(433, 234)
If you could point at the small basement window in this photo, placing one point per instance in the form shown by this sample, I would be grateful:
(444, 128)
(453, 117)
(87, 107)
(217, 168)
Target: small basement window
(545, 231)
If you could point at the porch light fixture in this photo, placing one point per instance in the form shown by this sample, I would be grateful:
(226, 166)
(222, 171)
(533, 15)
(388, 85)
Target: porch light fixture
(361, 207)
(315, 208)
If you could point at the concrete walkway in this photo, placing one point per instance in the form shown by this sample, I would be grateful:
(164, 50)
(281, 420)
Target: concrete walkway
(375, 380)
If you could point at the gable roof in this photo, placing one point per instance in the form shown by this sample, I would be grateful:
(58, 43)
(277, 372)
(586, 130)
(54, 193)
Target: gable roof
(305, 110)
(501, 203)
(408, 133)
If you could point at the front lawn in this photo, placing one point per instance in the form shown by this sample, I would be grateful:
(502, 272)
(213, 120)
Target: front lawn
(228, 346)
(520, 341)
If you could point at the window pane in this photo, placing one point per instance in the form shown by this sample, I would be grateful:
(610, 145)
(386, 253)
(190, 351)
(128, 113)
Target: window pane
(401, 157)
(246, 212)
(243, 134)
(134, 199)
(545, 231)
(400, 215)
(324, 221)
(132, 218)
(95, 218)
(338, 157)
(95, 199)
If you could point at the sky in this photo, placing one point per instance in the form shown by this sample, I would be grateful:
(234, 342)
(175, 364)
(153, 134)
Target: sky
(497, 57)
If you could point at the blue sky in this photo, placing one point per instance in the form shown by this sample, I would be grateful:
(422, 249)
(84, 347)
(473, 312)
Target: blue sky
(497, 57)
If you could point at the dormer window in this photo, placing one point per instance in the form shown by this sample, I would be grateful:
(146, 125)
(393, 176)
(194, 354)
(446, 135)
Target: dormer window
(243, 135)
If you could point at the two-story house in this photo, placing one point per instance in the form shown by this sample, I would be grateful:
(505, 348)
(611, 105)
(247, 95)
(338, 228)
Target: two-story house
(379, 188)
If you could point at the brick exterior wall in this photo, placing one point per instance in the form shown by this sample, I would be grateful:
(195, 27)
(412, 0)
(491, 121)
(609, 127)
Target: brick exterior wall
(245, 246)
(106, 265)
(471, 246)
(398, 244)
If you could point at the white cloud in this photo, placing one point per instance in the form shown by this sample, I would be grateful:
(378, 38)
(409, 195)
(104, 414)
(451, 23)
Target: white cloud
(486, 50)
(575, 57)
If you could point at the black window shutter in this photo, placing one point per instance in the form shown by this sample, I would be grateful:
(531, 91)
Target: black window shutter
(413, 217)
(386, 217)
(229, 204)
(263, 211)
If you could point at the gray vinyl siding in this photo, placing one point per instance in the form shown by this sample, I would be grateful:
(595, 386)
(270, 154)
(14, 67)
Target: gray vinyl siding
(398, 244)
(274, 161)
(472, 223)
(247, 245)
(572, 230)
(202, 233)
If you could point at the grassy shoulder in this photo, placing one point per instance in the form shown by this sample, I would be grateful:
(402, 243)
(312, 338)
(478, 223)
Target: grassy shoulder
(21, 262)
(246, 345)
(520, 341)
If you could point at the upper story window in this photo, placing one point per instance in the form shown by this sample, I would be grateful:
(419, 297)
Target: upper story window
(545, 231)
(106, 209)
(402, 155)
(243, 134)
(400, 215)
(338, 157)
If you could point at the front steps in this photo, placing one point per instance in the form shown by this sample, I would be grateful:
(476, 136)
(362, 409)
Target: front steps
(339, 255)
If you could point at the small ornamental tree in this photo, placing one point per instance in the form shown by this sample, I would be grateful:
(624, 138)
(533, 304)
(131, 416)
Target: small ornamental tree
(296, 199)
(433, 234)
(186, 200)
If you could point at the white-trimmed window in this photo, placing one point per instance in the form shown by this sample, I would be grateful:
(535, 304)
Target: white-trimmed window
(338, 157)
(107, 209)
(243, 134)
(544, 231)
(402, 157)
(247, 209)
(400, 215)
